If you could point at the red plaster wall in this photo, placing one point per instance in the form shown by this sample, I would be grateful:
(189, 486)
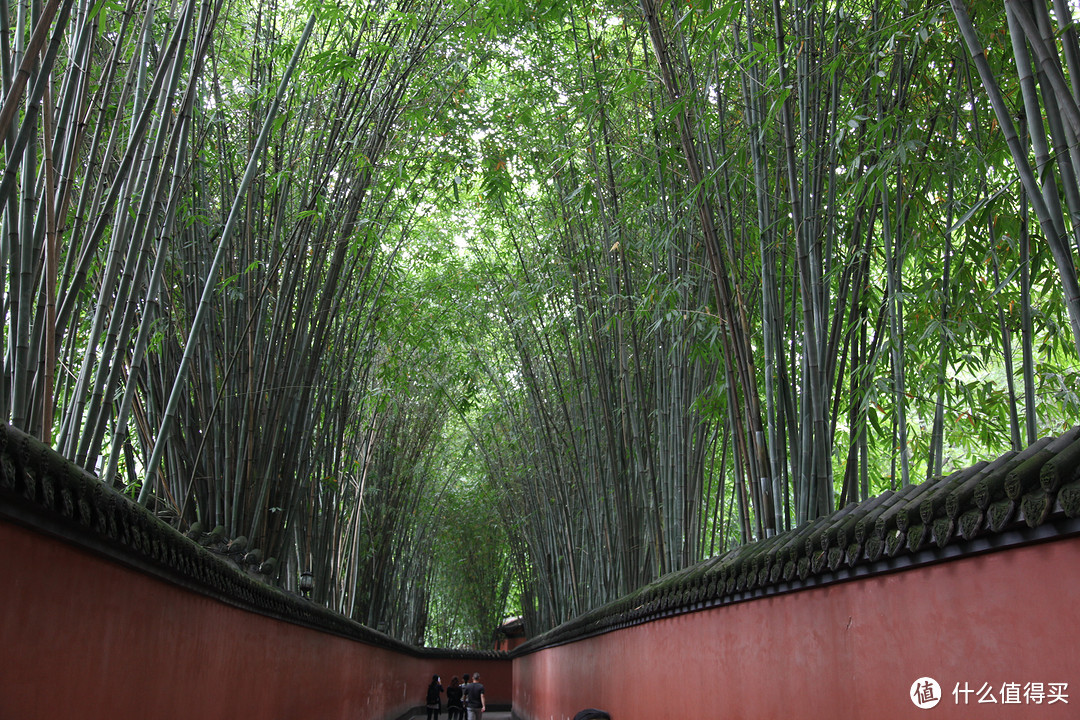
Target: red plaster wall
(506, 644)
(83, 637)
(850, 650)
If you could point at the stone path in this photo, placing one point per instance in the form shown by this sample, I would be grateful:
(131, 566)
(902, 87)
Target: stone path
(487, 716)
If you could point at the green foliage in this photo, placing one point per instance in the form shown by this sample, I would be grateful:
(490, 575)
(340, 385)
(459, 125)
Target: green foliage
(473, 576)
(472, 316)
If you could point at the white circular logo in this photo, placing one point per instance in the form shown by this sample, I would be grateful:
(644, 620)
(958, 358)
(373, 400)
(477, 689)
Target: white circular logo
(925, 693)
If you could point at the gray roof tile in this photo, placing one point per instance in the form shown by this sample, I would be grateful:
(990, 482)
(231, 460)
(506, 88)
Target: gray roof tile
(1019, 497)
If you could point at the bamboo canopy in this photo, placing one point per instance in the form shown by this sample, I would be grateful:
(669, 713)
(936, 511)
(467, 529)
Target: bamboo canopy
(476, 310)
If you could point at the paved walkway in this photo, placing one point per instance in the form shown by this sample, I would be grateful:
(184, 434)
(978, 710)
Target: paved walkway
(487, 716)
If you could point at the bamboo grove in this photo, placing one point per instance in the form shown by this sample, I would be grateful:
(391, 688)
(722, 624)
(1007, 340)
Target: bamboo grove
(477, 309)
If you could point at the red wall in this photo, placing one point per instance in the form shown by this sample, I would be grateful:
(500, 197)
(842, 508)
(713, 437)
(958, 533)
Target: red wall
(83, 637)
(850, 650)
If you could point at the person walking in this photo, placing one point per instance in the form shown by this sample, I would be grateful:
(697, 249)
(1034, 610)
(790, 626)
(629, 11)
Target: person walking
(455, 710)
(434, 702)
(464, 691)
(474, 699)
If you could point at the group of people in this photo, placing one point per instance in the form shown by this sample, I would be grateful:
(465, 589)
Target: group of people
(464, 700)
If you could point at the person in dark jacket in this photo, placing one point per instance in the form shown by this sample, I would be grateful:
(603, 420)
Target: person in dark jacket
(474, 699)
(455, 710)
(434, 701)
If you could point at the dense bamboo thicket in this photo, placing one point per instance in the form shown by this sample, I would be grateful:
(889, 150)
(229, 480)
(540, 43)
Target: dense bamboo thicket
(771, 260)
(509, 308)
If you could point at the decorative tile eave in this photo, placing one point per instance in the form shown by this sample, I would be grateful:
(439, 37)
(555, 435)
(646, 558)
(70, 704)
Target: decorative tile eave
(1019, 498)
(41, 490)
